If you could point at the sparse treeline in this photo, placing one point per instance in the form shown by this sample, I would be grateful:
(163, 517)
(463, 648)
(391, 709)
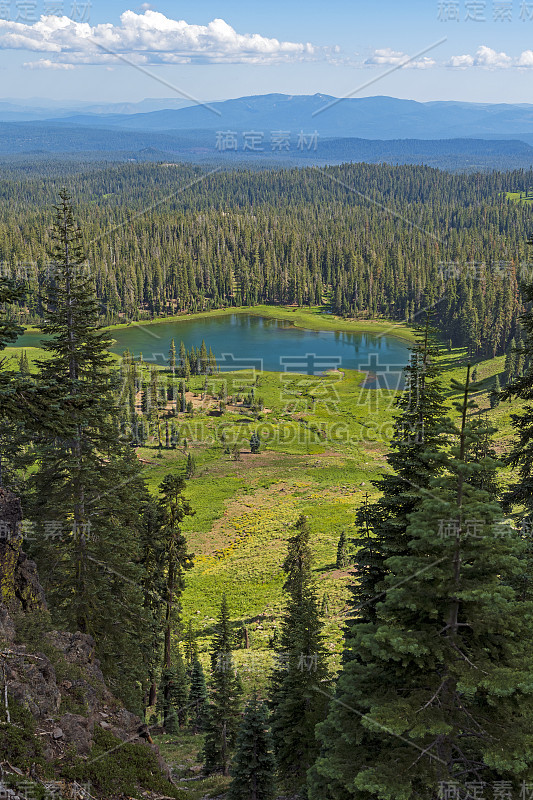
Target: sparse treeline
(367, 240)
(153, 400)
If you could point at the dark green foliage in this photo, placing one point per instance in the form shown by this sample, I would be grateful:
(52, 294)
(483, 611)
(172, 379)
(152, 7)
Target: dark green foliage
(190, 466)
(417, 431)
(174, 508)
(494, 396)
(255, 443)
(253, 768)
(299, 684)
(510, 367)
(225, 693)
(342, 552)
(190, 646)
(434, 678)
(87, 494)
(19, 743)
(519, 494)
(118, 769)
(198, 707)
(173, 695)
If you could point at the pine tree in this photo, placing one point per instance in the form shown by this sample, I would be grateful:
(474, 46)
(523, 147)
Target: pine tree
(24, 365)
(198, 707)
(183, 358)
(253, 768)
(342, 552)
(180, 690)
(190, 646)
(417, 432)
(225, 694)
(152, 558)
(255, 443)
(175, 507)
(510, 362)
(445, 663)
(190, 467)
(87, 489)
(203, 359)
(495, 393)
(518, 497)
(172, 357)
(299, 683)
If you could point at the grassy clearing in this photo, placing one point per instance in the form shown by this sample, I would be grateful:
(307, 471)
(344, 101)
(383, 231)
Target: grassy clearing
(520, 197)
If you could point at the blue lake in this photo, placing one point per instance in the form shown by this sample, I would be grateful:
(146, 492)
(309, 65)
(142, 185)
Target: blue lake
(246, 341)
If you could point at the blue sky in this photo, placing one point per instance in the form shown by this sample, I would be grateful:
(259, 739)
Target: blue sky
(255, 48)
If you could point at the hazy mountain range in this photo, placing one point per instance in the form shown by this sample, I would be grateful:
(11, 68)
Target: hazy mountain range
(370, 129)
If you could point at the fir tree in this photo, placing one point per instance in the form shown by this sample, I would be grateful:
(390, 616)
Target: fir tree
(417, 431)
(24, 365)
(198, 707)
(225, 694)
(180, 691)
(190, 467)
(510, 362)
(342, 552)
(255, 443)
(495, 393)
(190, 646)
(445, 662)
(518, 497)
(253, 768)
(175, 507)
(298, 691)
(88, 484)
(172, 357)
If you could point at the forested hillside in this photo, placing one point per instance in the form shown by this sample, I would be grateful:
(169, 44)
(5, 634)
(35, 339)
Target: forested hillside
(367, 240)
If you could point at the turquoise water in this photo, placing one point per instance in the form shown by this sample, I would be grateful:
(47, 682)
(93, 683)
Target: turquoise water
(245, 341)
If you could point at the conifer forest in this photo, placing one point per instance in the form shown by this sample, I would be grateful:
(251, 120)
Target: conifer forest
(223, 580)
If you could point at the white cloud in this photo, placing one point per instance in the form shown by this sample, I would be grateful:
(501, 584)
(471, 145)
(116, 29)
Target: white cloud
(46, 63)
(484, 57)
(526, 59)
(150, 37)
(386, 57)
(461, 61)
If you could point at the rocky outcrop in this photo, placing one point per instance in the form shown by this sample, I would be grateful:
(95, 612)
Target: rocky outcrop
(20, 588)
(56, 677)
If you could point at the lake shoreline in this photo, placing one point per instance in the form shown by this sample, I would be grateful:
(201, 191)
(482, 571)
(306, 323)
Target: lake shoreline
(312, 319)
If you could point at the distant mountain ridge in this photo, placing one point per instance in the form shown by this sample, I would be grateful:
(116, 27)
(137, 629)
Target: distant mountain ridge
(58, 139)
(445, 134)
(365, 118)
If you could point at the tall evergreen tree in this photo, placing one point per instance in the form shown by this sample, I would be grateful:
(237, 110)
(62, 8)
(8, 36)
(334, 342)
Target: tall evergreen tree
(175, 507)
(87, 495)
(511, 361)
(299, 683)
(518, 497)
(198, 707)
(253, 768)
(225, 694)
(495, 393)
(342, 553)
(445, 663)
(417, 432)
(172, 357)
